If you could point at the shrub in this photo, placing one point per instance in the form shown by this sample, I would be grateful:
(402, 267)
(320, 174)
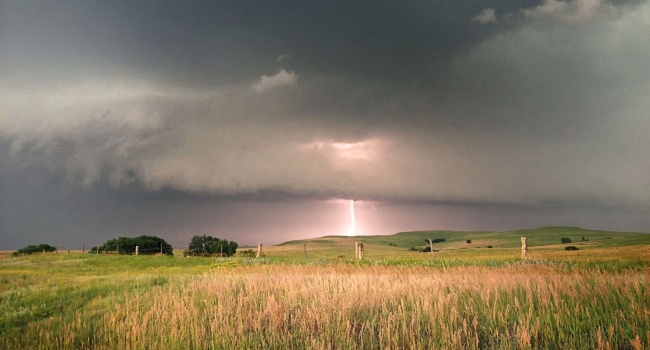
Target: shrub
(584, 239)
(31, 249)
(489, 246)
(469, 241)
(248, 253)
(565, 240)
(428, 250)
(571, 247)
(210, 246)
(435, 240)
(147, 245)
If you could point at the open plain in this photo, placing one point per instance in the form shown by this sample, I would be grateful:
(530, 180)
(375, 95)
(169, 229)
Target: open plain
(317, 296)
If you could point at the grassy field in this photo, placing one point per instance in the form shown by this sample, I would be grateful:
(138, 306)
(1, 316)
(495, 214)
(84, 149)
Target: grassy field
(469, 297)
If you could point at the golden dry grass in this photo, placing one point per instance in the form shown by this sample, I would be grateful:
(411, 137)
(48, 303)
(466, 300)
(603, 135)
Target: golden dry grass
(344, 306)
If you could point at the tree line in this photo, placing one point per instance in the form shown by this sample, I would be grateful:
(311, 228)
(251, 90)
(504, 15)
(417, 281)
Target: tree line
(149, 245)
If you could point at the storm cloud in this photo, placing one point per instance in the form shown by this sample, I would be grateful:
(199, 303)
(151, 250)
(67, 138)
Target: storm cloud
(515, 104)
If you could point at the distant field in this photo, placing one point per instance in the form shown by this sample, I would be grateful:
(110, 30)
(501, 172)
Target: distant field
(543, 243)
(468, 297)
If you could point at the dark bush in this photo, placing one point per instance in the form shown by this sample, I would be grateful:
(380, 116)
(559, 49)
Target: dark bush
(584, 239)
(147, 245)
(435, 240)
(565, 240)
(489, 246)
(248, 253)
(210, 246)
(31, 249)
(469, 241)
(571, 247)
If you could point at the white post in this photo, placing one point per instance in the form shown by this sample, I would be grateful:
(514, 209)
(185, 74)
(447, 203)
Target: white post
(524, 247)
(259, 250)
(137, 249)
(433, 256)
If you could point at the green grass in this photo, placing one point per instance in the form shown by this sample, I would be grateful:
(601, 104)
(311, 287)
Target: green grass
(469, 296)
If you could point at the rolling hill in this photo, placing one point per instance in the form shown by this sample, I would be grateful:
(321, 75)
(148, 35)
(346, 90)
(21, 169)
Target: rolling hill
(544, 240)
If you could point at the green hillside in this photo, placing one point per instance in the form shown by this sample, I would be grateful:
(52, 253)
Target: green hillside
(545, 241)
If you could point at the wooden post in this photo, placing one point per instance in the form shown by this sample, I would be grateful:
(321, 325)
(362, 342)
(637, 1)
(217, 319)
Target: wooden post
(358, 247)
(118, 248)
(259, 250)
(160, 248)
(137, 249)
(97, 251)
(221, 254)
(83, 248)
(524, 247)
(433, 256)
(305, 248)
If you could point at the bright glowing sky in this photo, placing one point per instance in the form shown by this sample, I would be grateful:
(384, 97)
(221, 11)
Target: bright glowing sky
(260, 121)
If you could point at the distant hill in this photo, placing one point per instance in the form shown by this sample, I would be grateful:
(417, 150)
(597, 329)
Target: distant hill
(540, 238)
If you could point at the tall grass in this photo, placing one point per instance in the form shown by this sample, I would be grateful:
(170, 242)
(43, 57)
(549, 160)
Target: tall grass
(358, 306)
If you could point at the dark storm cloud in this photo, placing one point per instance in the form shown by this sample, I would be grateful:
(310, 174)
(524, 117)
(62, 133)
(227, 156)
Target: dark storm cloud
(500, 103)
(208, 42)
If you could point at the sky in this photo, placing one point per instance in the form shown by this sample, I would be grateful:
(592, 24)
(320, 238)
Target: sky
(261, 121)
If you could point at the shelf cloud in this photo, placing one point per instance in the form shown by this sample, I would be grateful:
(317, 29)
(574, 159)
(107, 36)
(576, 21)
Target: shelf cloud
(546, 106)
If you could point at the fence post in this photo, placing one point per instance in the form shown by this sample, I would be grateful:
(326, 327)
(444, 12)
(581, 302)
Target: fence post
(433, 256)
(83, 248)
(305, 248)
(259, 250)
(137, 249)
(524, 247)
(358, 247)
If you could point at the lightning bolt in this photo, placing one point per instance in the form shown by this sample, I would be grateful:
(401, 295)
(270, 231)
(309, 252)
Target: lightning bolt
(353, 221)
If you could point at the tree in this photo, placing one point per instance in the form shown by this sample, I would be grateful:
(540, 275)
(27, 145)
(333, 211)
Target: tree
(147, 245)
(565, 240)
(468, 241)
(210, 246)
(31, 249)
